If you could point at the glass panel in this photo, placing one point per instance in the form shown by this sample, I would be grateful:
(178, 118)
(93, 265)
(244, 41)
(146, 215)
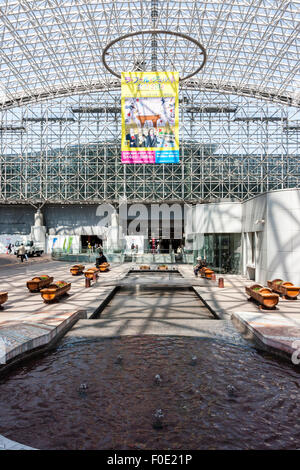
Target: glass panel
(222, 252)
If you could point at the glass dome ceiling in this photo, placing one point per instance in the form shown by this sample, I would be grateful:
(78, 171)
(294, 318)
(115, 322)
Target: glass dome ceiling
(53, 48)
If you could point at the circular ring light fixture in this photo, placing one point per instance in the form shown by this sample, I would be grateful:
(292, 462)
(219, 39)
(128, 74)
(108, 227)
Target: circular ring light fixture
(126, 53)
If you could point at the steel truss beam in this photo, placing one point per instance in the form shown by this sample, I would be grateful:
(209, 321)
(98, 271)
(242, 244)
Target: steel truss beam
(65, 157)
(53, 48)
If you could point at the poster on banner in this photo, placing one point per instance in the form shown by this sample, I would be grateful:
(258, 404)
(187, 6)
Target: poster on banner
(150, 117)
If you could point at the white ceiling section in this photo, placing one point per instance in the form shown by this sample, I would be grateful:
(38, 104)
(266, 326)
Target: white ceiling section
(53, 48)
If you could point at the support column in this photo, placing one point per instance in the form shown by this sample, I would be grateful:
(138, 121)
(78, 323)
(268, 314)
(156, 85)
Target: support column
(113, 236)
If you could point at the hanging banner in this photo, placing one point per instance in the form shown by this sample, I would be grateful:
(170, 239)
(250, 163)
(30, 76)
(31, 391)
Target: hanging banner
(150, 117)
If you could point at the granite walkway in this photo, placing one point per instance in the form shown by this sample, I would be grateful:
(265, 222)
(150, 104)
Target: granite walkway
(22, 303)
(281, 326)
(276, 331)
(27, 323)
(160, 303)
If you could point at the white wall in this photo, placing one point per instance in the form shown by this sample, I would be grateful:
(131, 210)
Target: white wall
(273, 217)
(63, 242)
(283, 235)
(223, 217)
(278, 238)
(5, 239)
(254, 220)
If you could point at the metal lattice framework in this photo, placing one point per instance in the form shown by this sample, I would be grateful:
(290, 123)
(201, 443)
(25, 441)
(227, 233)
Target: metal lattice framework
(60, 107)
(67, 150)
(53, 47)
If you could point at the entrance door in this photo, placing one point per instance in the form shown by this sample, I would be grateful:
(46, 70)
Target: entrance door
(92, 239)
(222, 251)
(166, 244)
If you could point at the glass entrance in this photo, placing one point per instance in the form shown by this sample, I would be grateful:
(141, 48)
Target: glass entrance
(222, 252)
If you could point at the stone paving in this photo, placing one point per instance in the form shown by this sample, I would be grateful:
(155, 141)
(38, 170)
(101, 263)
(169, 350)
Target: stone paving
(22, 303)
(6, 260)
(149, 305)
(27, 323)
(140, 310)
(20, 337)
(278, 332)
(275, 330)
(223, 303)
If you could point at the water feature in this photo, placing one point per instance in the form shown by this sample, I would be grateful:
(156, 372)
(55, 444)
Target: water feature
(150, 301)
(157, 379)
(158, 419)
(193, 360)
(119, 359)
(40, 404)
(150, 391)
(231, 390)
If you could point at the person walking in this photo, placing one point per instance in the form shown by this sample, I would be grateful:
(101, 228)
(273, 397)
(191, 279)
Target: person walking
(22, 252)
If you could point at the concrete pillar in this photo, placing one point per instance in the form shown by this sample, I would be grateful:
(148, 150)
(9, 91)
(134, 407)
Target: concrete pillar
(113, 236)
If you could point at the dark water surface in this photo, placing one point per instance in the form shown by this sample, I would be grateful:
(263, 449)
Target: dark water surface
(41, 404)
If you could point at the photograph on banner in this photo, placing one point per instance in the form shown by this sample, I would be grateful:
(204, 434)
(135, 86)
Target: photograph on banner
(150, 123)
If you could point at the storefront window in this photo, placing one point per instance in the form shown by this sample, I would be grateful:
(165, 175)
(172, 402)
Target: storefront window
(222, 252)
